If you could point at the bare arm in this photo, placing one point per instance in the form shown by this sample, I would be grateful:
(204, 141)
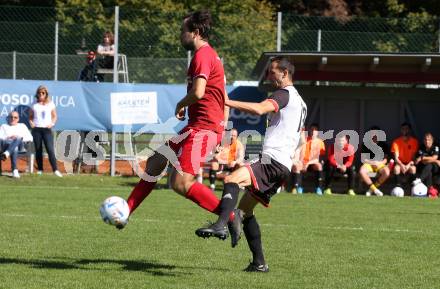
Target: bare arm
(101, 51)
(240, 154)
(396, 158)
(54, 118)
(226, 111)
(195, 94)
(428, 160)
(256, 108)
(31, 118)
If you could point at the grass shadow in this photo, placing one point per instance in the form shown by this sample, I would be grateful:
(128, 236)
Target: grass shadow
(152, 268)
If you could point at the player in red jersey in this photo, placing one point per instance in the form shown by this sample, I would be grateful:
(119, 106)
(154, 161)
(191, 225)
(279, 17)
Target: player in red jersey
(205, 102)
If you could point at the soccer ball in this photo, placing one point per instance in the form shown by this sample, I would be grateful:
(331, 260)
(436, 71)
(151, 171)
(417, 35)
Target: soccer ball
(114, 211)
(419, 189)
(398, 192)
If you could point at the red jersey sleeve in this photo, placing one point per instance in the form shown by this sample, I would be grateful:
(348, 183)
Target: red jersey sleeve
(350, 158)
(201, 66)
(331, 156)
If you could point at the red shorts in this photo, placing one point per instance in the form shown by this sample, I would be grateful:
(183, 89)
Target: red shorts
(192, 147)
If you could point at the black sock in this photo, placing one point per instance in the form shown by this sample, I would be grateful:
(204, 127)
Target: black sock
(228, 201)
(319, 179)
(296, 180)
(252, 232)
(212, 176)
(398, 180)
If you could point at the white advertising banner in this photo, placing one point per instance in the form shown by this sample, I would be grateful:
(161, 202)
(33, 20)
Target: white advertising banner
(133, 107)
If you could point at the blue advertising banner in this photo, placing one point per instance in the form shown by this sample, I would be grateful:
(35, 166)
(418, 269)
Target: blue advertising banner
(87, 106)
(244, 121)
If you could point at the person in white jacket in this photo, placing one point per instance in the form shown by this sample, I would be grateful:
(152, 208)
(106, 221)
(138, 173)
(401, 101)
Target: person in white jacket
(12, 136)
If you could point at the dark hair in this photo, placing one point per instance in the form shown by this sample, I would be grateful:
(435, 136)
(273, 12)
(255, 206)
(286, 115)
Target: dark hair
(429, 134)
(284, 64)
(91, 55)
(406, 124)
(315, 124)
(199, 20)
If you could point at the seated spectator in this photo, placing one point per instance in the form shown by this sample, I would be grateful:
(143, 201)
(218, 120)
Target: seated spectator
(404, 150)
(88, 73)
(373, 165)
(12, 136)
(436, 180)
(106, 51)
(309, 158)
(340, 159)
(426, 162)
(229, 157)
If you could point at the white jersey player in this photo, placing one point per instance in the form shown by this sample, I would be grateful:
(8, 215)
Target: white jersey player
(262, 178)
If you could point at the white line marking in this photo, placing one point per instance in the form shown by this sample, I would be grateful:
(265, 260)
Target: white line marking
(15, 187)
(148, 220)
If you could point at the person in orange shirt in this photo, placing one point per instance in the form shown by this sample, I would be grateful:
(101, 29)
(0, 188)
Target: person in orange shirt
(308, 157)
(404, 149)
(229, 157)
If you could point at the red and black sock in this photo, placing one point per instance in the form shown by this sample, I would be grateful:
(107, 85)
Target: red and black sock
(204, 197)
(139, 193)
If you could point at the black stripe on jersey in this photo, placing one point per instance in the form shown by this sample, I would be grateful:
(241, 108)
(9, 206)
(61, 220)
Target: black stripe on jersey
(281, 96)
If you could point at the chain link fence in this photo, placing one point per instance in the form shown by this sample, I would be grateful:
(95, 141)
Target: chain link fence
(398, 35)
(31, 47)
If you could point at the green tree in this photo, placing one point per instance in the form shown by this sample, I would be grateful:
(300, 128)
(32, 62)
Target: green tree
(243, 30)
(415, 31)
(150, 28)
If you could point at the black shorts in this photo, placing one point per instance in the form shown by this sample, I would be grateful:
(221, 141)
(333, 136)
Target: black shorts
(266, 179)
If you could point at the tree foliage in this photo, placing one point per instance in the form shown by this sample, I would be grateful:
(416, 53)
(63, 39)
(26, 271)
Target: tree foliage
(150, 28)
(370, 8)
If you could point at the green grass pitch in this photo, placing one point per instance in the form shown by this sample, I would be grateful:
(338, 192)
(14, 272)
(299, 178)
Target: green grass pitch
(51, 236)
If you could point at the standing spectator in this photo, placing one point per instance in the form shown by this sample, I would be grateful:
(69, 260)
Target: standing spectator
(340, 159)
(106, 51)
(404, 149)
(42, 117)
(309, 159)
(12, 136)
(372, 165)
(229, 157)
(426, 161)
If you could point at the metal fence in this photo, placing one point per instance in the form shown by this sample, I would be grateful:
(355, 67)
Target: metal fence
(36, 66)
(399, 35)
(31, 47)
